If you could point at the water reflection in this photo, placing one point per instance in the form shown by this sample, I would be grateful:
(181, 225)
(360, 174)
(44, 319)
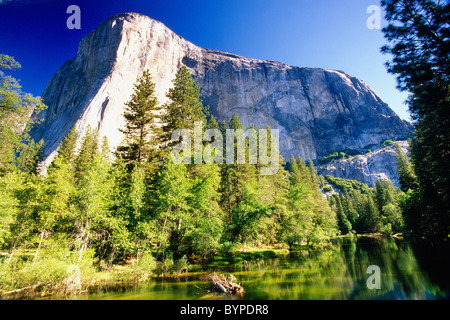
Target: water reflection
(339, 272)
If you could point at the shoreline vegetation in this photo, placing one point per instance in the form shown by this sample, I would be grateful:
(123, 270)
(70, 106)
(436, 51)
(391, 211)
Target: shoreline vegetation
(132, 274)
(95, 221)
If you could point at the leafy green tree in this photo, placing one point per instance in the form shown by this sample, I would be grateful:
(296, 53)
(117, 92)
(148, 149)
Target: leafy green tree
(10, 184)
(392, 217)
(418, 40)
(171, 207)
(240, 191)
(140, 225)
(204, 227)
(310, 217)
(275, 189)
(296, 175)
(92, 202)
(371, 219)
(54, 200)
(15, 121)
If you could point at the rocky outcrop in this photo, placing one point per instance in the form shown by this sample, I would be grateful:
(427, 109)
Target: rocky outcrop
(317, 111)
(379, 164)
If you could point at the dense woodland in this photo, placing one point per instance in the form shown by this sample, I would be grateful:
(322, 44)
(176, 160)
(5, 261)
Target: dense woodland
(95, 208)
(102, 207)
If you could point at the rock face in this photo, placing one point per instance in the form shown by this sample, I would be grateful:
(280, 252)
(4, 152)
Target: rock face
(380, 164)
(317, 111)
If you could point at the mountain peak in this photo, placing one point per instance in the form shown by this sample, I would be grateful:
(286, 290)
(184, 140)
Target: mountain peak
(317, 111)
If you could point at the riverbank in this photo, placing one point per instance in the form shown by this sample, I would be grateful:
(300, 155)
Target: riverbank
(67, 283)
(70, 280)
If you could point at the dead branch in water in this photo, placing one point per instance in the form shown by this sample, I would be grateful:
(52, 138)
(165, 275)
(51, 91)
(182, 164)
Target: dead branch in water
(224, 284)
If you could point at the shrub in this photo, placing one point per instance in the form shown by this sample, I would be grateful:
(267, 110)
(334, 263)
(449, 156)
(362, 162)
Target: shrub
(386, 142)
(56, 265)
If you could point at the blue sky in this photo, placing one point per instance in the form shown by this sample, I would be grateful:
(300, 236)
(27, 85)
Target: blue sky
(307, 33)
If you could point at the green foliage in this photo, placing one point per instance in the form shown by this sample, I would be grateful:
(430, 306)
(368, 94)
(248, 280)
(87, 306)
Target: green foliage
(56, 264)
(102, 211)
(386, 142)
(142, 122)
(407, 176)
(368, 210)
(66, 150)
(15, 121)
(184, 106)
(338, 155)
(89, 146)
(308, 218)
(417, 35)
(347, 185)
(10, 184)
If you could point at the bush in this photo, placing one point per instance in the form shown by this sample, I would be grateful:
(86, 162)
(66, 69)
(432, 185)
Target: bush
(164, 267)
(170, 267)
(56, 265)
(338, 155)
(226, 249)
(386, 142)
(347, 184)
(145, 266)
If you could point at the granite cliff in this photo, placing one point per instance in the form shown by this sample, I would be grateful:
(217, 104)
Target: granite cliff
(367, 168)
(317, 111)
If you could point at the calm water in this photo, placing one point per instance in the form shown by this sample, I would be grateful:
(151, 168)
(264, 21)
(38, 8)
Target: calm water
(408, 271)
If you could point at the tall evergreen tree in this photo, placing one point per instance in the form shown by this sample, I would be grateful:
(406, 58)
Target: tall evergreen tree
(30, 155)
(89, 146)
(142, 126)
(407, 177)
(67, 147)
(184, 106)
(212, 123)
(418, 35)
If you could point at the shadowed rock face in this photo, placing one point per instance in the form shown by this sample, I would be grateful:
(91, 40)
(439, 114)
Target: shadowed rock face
(317, 111)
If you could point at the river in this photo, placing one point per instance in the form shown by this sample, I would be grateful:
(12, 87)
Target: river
(406, 271)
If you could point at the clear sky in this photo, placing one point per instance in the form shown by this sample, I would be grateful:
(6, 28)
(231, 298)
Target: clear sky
(329, 34)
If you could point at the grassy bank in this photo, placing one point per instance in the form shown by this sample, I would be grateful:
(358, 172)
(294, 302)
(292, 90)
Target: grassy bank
(59, 274)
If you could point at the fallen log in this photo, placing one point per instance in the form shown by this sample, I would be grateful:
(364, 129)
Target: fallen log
(224, 285)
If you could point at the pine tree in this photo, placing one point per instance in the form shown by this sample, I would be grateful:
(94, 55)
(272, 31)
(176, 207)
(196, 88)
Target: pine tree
(343, 223)
(10, 184)
(184, 108)
(142, 126)
(67, 148)
(212, 123)
(204, 225)
(296, 175)
(274, 190)
(89, 146)
(30, 155)
(407, 177)
(418, 32)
